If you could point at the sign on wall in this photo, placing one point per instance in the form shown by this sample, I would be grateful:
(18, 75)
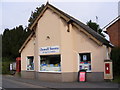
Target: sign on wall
(49, 49)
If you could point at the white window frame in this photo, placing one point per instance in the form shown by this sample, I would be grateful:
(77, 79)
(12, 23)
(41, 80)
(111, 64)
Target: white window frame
(49, 71)
(27, 63)
(79, 60)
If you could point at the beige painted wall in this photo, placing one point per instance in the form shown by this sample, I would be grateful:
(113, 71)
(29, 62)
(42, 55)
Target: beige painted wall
(84, 44)
(68, 55)
(27, 51)
(75, 42)
(71, 44)
(48, 25)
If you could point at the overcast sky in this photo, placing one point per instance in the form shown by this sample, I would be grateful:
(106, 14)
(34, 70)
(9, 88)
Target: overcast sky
(14, 13)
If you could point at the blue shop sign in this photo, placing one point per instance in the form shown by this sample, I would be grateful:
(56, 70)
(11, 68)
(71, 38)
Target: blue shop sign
(49, 49)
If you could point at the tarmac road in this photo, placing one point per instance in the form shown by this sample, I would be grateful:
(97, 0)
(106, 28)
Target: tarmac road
(9, 83)
(17, 82)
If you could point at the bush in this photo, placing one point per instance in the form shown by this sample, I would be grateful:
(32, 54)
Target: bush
(0, 65)
(115, 56)
(5, 65)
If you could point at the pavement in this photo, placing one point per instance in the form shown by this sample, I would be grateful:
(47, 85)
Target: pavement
(53, 85)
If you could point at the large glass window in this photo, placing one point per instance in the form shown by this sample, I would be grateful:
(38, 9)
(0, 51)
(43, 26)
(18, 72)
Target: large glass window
(85, 61)
(30, 63)
(50, 63)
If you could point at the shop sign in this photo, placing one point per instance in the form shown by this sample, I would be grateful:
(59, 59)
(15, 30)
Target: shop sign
(49, 49)
(82, 76)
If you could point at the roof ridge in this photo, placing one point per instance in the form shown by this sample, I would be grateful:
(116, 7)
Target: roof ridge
(71, 17)
(79, 23)
(111, 22)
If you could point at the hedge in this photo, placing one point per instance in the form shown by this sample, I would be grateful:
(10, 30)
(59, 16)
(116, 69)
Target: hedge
(115, 56)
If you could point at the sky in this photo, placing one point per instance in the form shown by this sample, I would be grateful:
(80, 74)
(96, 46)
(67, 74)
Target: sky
(17, 12)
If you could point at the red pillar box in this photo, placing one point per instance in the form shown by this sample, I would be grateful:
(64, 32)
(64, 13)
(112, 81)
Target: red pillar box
(82, 76)
(18, 64)
(107, 68)
(108, 73)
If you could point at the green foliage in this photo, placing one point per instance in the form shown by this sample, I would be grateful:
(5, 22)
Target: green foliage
(0, 45)
(117, 79)
(115, 56)
(12, 40)
(5, 65)
(35, 14)
(0, 66)
(0, 53)
(95, 27)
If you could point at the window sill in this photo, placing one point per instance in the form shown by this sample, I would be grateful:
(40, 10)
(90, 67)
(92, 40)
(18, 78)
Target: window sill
(30, 70)
(88, 71)
(51, 71)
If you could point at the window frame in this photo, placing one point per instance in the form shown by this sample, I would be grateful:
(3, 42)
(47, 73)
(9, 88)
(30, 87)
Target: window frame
(49, 71)
(79, 60)
(27, 63)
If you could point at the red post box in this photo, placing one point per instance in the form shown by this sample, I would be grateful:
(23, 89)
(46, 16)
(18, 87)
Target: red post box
(18, 64)
(107, 68)
(108, 73)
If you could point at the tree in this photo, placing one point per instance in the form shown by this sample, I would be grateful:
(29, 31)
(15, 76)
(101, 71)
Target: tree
(0, 46)
(95, 27)
(35, 14)
(12, 40)
(115, 56)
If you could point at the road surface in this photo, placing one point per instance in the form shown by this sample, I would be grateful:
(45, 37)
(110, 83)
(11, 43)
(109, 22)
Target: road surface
(17, 82)
(9, 83)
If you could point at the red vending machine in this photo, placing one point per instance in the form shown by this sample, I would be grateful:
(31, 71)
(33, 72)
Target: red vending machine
(18, 64)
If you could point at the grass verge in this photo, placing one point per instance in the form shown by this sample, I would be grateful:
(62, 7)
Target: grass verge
(116, 79)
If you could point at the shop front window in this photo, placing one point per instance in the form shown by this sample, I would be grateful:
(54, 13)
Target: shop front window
(85, 61)
(30, 63)
(50, 63)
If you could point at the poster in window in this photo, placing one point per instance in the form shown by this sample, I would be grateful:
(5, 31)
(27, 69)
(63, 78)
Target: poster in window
(84, 57)
(10, 66)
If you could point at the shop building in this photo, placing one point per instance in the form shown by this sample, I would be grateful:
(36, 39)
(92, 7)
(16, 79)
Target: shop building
(59, 46)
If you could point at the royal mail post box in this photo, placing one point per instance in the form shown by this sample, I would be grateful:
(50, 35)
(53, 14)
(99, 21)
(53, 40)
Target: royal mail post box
(107, 68)
(108, 71)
